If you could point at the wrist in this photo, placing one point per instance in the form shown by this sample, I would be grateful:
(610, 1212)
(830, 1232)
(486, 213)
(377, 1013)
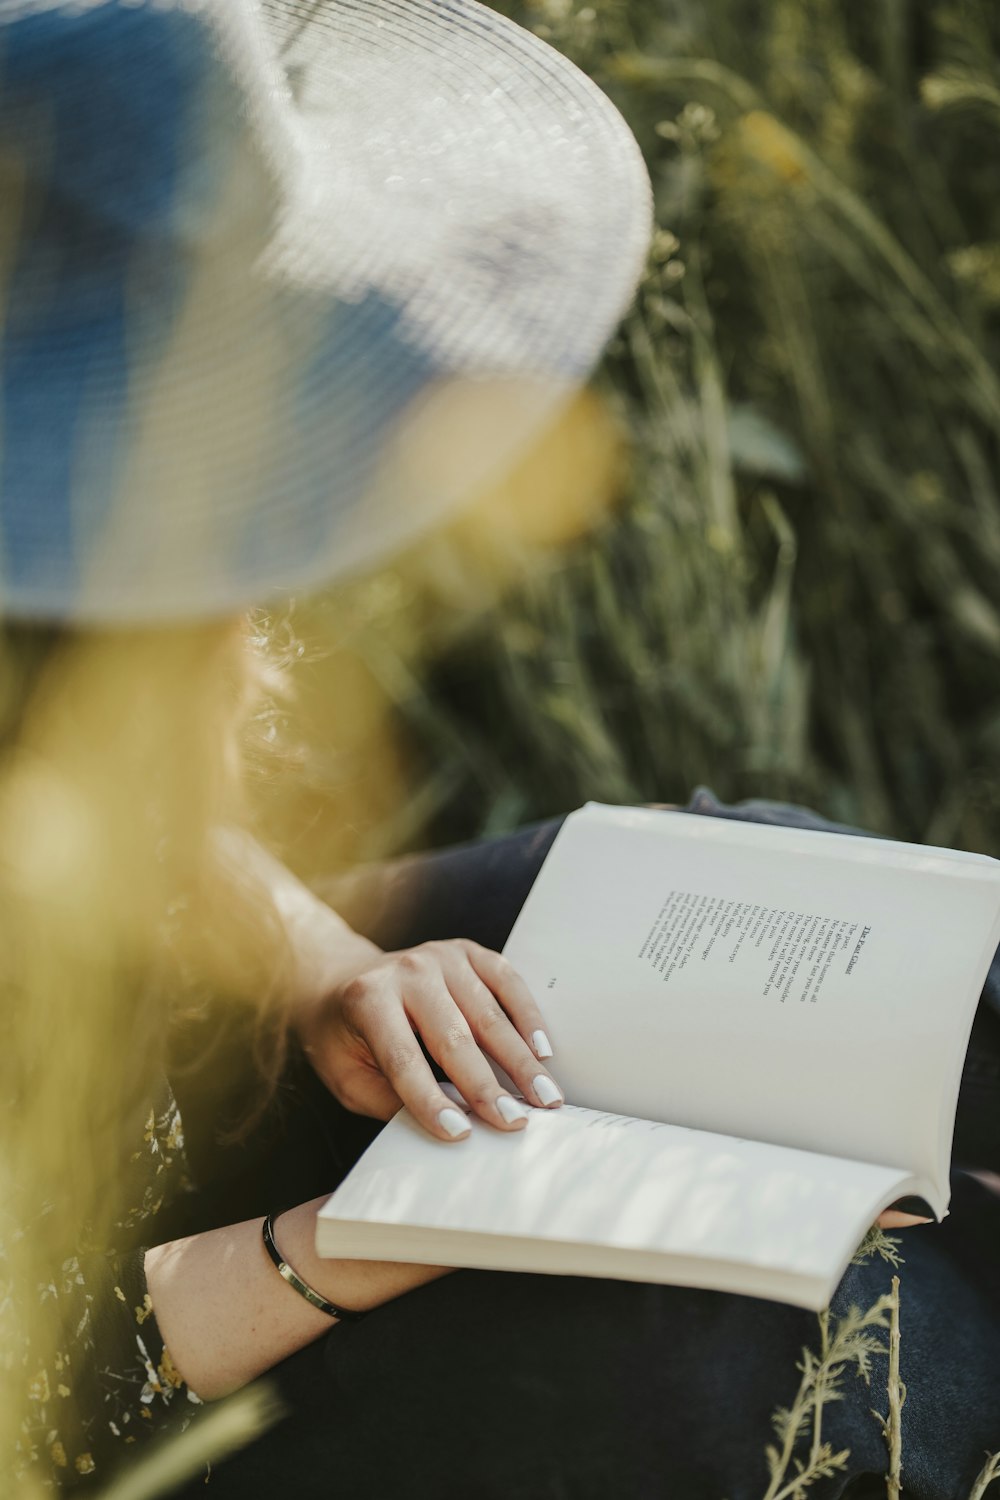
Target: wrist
(348, 954)
(360, 1285)
(328, 955)
(325, 951)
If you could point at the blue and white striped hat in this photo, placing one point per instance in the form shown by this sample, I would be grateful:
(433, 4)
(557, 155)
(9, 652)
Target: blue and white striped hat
(281, 281)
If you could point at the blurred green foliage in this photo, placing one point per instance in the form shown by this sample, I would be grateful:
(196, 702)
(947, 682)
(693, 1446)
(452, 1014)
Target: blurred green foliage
(799, 595)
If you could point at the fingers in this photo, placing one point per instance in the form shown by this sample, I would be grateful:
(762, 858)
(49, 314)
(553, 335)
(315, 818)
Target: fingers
(449, 1036)
(495, 1035)
(466, 1005)
(390, 1039)
(891, 1218)
(503, 980)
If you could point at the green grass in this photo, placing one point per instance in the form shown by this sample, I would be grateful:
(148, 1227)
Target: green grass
(799, 596)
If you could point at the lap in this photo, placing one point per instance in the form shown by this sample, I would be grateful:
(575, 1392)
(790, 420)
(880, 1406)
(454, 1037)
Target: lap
(504, 1386)
(536, 1387)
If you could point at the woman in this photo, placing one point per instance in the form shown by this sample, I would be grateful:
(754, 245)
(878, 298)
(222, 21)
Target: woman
(278, 285)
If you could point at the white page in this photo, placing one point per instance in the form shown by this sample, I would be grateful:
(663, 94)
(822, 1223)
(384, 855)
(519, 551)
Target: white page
(653, 942)
(600, 1194)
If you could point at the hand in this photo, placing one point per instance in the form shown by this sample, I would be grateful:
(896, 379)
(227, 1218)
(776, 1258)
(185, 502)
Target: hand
(891, 1218)
(466, 1004)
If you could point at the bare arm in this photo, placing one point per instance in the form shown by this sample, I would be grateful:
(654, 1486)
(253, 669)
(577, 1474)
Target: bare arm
(227, 1316)
(224, 1312)
(326, 951)
(359, 1013)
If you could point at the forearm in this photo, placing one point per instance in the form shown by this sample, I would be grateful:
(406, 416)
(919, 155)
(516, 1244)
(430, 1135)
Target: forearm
(227, 1316)
(326, 951)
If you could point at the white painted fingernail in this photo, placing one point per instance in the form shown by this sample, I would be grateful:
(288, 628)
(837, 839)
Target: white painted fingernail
(545, 1090)
(541, 1044)
(454, 1122)
(511, 1109)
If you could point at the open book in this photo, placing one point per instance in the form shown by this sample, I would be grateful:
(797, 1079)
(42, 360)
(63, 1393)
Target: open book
(760, 1032)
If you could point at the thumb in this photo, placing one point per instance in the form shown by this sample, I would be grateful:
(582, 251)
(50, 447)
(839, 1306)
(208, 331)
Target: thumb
(365, 1091)
(352, 1076)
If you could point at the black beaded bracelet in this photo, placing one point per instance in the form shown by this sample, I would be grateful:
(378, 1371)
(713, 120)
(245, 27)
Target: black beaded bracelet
(297, 1284)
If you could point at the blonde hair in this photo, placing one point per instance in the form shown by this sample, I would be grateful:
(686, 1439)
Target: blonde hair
(119, 754)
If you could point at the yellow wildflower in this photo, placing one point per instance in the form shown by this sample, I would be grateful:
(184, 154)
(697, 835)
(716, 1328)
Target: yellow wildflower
(168, 1371)
(84, 1464)
(772, 144)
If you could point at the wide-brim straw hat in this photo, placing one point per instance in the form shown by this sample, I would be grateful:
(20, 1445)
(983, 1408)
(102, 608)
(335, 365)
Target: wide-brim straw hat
(279, 283)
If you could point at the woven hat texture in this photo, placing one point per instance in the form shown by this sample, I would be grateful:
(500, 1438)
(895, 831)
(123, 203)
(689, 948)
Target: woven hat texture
(280, 283)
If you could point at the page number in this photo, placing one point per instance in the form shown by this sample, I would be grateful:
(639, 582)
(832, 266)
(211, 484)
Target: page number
(551, 985)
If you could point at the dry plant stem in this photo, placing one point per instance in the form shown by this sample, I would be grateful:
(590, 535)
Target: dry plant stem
(780, 1466)
(892, 1425)
(897, 1395)
(824, 1335)
(852, 1341)
(827, 1465)
(985, 1477)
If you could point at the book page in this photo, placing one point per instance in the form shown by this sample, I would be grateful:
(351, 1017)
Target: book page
(803, 988)
(597, 1193)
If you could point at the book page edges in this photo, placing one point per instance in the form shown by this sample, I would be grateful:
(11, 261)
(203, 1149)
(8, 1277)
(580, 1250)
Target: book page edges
(414, 1244)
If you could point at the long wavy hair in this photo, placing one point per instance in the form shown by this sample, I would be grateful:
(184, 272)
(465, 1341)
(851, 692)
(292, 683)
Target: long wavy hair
(120, 754)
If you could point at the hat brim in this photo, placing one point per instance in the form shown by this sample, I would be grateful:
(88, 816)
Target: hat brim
(463, 219)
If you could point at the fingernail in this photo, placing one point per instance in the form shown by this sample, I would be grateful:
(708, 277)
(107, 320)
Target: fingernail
(511, 1109)
(541, 1044)
(454, 1122)
(546, 1091)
